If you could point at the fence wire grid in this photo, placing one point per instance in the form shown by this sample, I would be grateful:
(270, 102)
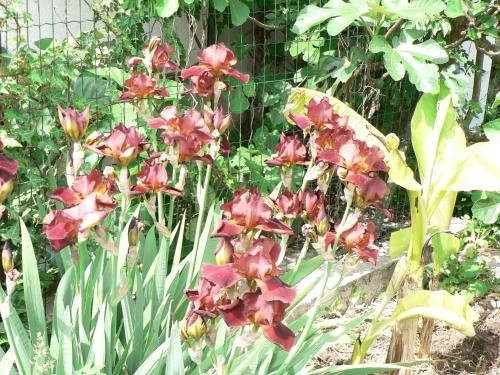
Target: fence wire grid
(89, 41)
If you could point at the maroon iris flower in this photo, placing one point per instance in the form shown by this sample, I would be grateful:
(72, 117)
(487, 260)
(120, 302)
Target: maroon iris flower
(74, 123)
(177, 127)
(319, 115)
(216, 120)
(290, 151)
(358, 238)
(255, 309)
(8, 171)
(62, 227)
(246, 212)
(123, 144)
(266, 306)
(361, 163)
(141, 86)
(153, 178)
(83, 186)
(157, 57)
(215, 62)
(289, 205)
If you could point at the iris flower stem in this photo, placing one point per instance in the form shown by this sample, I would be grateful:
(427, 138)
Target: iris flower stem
(172, 202)
(317, 303)
(161, 208)
(124, 186)
(303, 253)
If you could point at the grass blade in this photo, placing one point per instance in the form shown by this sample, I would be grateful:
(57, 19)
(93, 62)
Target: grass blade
(32, 290)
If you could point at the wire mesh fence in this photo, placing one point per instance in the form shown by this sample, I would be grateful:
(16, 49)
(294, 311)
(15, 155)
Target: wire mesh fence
(73, 52)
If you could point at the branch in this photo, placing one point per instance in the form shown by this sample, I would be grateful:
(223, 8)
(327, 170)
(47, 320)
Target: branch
(266, 26)
(393, 28)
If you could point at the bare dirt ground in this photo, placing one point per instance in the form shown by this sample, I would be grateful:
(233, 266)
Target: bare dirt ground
(452, 353)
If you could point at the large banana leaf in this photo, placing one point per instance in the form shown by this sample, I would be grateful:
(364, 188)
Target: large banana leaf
(453, 310)
(446, 165)
(399, 172)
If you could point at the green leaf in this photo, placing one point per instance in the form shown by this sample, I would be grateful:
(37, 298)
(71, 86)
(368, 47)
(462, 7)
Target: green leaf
(8, 142)
(116, 74)
(7, 362)
(166, 8)
(475, 168)
(152, 361)
(98, 347)
(345, 14)
(44, 43)
(400, 172)
(415, 10)
(175, 363)
(294, 276)
(492, 130)
(239, 12)
(238, 102)
(365, 369)
(496, 102)
(16, 334)
(487, 208)
(443, 245)
(458, 83)
(341, 15)
(438, 305)
(311, 16)
(435, 132)
(90, 88)
(454, 9)
(220, 5)
(419, 60)
(32, 292)
(399, 242)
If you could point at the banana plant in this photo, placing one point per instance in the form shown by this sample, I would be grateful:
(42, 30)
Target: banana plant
(446, 165)
(435, 134)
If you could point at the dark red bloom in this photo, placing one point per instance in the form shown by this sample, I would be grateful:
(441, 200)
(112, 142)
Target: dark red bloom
(74, 123)
(290, 151)
(362, 162)
(320, 115)
(216, 120)
(83, 186)
(253, 308)
(157, 56)
(153, 178)
(248, 211)
(61, 230)
(123, 144)
(206, 298)
(140, 86)
(224, 251)
(92, 210)
(161, 58)
(192, 124)
(289, 205)
(357, 238)
(8, 171)
(225, 147)
(215, 62)
(202, 85)
(259, 260)
(314, 206)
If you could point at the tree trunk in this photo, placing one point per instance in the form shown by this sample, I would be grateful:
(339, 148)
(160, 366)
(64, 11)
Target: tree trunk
(404, 334)
(427, 325)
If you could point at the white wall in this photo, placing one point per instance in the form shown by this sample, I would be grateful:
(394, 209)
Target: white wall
(57, 19)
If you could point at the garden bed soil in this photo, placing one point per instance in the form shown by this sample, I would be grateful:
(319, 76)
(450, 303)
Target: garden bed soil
(452, 353)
